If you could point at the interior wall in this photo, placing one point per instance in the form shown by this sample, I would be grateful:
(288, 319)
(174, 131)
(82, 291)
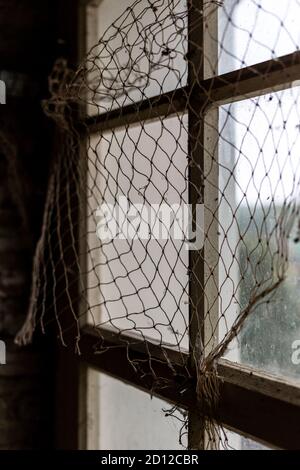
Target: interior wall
(29, 42)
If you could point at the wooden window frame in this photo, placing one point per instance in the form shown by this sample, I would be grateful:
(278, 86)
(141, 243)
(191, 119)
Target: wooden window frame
(252, 403)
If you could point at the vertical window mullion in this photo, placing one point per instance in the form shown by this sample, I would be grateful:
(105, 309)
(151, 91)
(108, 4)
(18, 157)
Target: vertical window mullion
(203, 148)
(196, 432)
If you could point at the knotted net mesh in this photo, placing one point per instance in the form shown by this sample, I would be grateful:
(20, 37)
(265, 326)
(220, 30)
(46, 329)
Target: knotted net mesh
(173, 197)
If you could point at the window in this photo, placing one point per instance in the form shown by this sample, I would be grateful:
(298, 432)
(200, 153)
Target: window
(266, 166)
(255, 31)
(127, 419)
(246, 76)
(128, 267)
(145, 30)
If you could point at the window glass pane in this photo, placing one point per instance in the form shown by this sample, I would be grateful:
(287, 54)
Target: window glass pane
(259, 178)
(139, 285)
(128, 419)
(132, 61)
(234, 441)
(252, 31)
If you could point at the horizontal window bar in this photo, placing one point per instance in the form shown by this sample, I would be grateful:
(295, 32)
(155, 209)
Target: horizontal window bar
(123, 362)
(112, 336)
(159, 106)
(265, 77)
(251, 403)
(258, 380)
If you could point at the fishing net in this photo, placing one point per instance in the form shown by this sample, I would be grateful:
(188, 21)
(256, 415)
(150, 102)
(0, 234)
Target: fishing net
(173, 197)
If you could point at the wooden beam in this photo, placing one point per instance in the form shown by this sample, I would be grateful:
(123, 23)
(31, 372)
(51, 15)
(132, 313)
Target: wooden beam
(267, 384)
(136, 363)
(157, 107)
(265, 77)
(270, 421)
(138, 343)
(196, 428)
(251, 403)
(269, 76)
